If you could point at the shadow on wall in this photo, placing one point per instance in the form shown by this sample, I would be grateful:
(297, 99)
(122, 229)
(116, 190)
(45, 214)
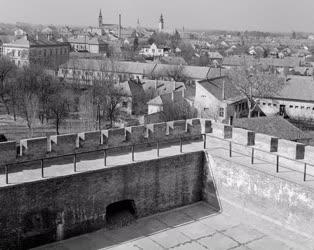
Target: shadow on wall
(210, 191)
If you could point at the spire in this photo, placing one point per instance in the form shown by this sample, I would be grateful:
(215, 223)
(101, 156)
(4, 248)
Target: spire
(161, 18)
(100, 19)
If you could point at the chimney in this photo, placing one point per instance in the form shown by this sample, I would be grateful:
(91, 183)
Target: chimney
(183, 93)
(174, 85)
(172, 96)
(156, 84)
(120, 26)
(37, 37)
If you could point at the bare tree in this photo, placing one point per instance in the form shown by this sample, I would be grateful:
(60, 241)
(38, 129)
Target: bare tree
(7, 69)
(58, 104)
(253, 82)
(179, 110)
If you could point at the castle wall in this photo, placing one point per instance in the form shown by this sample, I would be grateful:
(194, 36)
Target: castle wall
(75, 204)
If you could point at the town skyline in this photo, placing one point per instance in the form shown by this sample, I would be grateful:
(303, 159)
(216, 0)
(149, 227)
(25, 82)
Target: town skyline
(279, 16)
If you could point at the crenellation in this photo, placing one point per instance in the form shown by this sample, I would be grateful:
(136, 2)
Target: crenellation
(243, 136)
(222, 130)
(291, 149)
(8, 152)
(194, 126)
(266, 142)
(136, 134)
(63, 144)
(34, 148)
(113, 137)
(89, 140)
(176, 128)
(157, 131)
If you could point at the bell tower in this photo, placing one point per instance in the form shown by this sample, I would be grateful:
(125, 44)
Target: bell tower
(161, 23)
(100, 23)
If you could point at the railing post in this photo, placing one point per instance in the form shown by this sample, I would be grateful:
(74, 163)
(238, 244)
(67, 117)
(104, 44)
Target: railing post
(304, 178)
(180, 144)
(132, 152)
(204, 141)
(158, 149)
(277, 164)
(6, 174)
(42, 168)
(105, 157)
(74, 162)
(230, 149)
(252, 157)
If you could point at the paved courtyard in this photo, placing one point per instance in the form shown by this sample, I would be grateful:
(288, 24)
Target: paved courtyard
(192, 227)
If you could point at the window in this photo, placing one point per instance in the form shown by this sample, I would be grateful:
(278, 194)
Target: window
(302, 107)
(291, 106)
(19, 53)
(296, 107)
(308, 108)
(124, 104)
(221, 112)
(269, 104)
(264, 103)
(275, 105)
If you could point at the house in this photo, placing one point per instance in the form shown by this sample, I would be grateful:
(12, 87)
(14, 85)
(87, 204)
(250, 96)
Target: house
(133, 100)
(27, 50)
(168, 102)
(153, 51)
(159, 87)
(19, 32)
(88, 44)
(215, 58)
(219, 99)
(295, 100)
(275, 126)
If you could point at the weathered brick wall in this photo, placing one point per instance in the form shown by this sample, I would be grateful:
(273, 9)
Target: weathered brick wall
(35, 212)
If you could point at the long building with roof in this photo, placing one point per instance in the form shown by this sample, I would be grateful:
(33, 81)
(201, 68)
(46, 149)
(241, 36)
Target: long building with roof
(26, 50)
(86, 70)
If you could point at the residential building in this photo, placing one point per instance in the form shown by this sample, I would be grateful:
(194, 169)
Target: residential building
(153, 51)
(88, 44)
(27, 50)
(133, 96)
(295, 100)
(219, 99)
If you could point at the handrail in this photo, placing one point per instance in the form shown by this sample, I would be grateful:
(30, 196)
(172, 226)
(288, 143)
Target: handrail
(158, 142)
(264, 151)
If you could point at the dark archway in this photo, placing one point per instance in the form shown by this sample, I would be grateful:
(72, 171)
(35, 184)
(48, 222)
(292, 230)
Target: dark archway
(121, 213)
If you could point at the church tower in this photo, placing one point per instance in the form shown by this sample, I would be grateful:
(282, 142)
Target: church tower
(161, 23)
(100, 19)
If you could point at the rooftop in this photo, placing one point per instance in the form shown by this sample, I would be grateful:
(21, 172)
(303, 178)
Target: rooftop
(275, 126)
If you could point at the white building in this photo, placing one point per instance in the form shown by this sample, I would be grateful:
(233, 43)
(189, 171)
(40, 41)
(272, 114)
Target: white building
(295, 100)
(218, 99)
(154, 51)
(88, 44)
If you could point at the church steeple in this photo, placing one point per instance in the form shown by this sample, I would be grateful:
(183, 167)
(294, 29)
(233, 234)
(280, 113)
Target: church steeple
(100, 23)
(161, 23)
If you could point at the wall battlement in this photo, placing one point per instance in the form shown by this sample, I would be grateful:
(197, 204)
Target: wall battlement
(58, 145)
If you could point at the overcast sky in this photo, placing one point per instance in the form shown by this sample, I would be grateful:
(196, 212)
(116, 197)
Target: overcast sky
(269, 15)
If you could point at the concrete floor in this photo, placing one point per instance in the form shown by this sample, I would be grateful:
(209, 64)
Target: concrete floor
(192, 227)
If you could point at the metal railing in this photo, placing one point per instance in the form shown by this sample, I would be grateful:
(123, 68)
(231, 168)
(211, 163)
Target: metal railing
(253, 157)
(105, 153)
(158, 143)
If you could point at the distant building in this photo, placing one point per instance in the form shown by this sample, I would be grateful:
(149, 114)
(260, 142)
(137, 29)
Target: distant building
(37, 50)
(154, 51)
(19, 32)
(88, 44)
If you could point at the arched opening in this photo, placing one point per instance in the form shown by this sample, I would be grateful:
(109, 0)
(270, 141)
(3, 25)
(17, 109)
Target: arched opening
(121, 213)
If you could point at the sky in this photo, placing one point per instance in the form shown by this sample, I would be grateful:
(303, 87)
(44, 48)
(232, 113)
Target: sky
(263, 15)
